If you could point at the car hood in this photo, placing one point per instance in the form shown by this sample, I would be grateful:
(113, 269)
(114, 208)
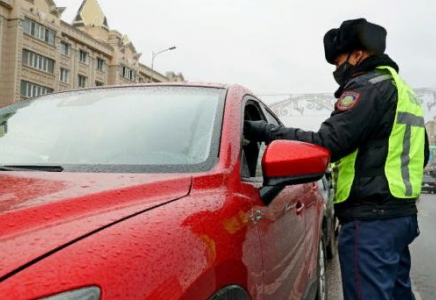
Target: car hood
(42, 212)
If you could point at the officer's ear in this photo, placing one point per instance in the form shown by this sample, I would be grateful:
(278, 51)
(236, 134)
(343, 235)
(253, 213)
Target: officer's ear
(354, 57)
(357, 56)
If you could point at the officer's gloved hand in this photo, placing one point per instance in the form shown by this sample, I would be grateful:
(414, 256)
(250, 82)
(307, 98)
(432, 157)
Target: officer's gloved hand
(259, 131)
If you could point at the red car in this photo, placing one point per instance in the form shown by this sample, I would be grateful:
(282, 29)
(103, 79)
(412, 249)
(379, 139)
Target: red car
(151, 192)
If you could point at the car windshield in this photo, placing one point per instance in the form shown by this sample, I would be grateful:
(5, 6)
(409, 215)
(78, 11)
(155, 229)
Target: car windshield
(131, 129)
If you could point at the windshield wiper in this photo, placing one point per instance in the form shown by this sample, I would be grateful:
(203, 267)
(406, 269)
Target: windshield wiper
(31, 168)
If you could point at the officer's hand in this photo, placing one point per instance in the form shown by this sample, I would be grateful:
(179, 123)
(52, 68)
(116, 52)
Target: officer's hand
(256, 131)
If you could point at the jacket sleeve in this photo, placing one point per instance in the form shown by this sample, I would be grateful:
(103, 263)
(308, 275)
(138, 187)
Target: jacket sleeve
(346, 129)
(426, 149)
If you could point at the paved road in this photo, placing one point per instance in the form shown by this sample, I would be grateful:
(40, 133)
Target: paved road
(423, 256)
(334, 286)
(424, 249)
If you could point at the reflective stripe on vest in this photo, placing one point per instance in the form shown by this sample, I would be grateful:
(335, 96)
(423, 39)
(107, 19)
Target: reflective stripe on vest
(404, 165)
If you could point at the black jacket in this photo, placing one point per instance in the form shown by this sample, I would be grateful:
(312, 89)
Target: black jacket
(365, 125)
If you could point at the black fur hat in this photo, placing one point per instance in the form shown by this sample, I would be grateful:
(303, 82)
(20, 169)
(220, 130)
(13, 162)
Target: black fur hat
(358, 34)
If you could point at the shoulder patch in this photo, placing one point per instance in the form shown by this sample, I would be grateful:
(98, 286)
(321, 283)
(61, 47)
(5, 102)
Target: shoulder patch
(347, 100)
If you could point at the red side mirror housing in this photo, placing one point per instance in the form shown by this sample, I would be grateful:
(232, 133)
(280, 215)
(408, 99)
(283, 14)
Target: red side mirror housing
(292, 162)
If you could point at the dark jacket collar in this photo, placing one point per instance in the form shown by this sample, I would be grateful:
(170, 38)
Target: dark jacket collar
(369, 64)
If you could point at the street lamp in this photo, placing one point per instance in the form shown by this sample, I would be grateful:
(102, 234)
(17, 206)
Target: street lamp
(153, 56)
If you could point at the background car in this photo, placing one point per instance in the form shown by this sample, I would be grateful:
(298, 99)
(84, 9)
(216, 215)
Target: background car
(149, 192)
(428, 184)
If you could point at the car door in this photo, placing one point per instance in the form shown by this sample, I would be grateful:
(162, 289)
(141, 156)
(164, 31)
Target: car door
(281, 224)
(310, 200)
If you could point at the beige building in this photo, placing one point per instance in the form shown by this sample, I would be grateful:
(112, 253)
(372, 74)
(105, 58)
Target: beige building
(431, 132)
(40, 53)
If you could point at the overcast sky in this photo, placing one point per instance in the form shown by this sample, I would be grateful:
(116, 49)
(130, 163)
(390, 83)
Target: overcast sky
(269, 46)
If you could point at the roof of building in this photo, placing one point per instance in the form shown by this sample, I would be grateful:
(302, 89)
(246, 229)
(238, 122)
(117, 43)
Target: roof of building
(90, 14)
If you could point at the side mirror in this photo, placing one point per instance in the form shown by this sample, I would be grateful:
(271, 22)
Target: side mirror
(291, 162)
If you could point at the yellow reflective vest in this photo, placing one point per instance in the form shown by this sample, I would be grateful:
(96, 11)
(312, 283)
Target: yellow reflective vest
(405, 161)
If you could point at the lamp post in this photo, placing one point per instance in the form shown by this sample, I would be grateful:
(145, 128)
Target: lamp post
(153, 56)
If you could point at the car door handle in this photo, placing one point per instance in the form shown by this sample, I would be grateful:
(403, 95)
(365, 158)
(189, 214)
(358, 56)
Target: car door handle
(300, 208)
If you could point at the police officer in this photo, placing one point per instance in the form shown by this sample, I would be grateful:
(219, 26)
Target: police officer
(379, 148)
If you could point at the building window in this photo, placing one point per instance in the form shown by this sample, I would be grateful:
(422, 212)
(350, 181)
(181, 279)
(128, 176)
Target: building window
(82, 81)
(128, 73)
(65, 48)
(83, 56)
(27, 26)
(38, 31)
(65, 75)
(99, 83)
(29, 90)
(100, 64)
(37, 61)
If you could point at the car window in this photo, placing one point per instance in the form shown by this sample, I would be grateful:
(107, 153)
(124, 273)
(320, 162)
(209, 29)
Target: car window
(270, 118)
(262, 146)
(251, 150)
